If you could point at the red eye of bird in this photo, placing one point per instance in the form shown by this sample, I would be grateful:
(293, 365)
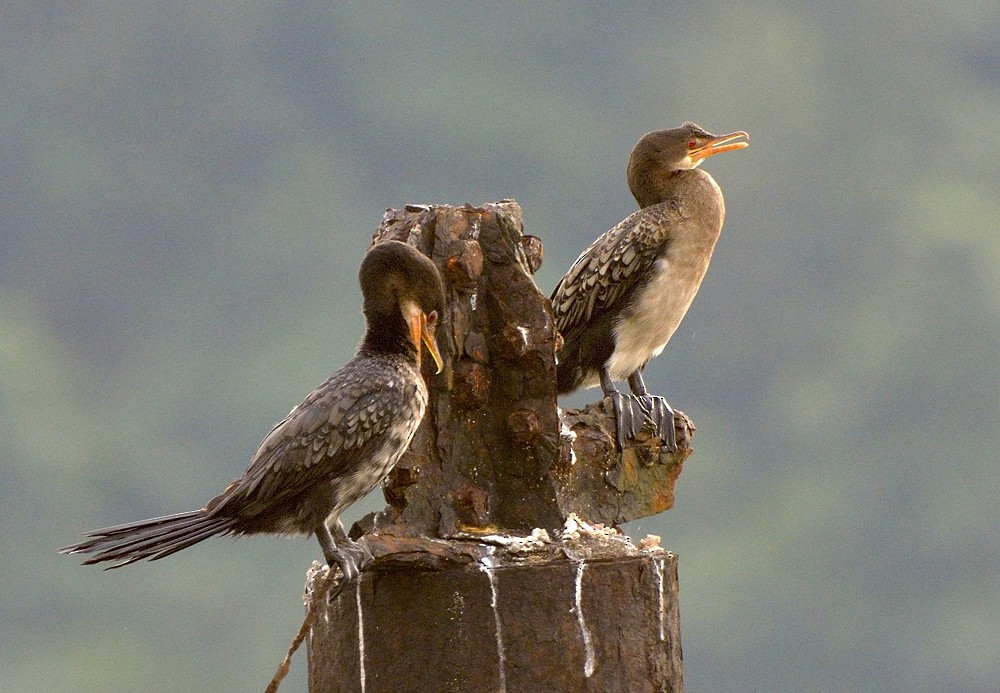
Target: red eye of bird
(692, 144)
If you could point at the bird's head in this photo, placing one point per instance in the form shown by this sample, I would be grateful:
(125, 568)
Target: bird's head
(402, 287)
(659, 154)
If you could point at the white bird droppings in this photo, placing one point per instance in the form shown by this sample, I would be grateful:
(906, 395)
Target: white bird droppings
(658, 562)
(486, 565)
(361, 633)
(588, 645)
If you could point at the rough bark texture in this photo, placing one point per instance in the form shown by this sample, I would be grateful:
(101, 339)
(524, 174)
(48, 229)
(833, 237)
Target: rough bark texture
(596, 482)
(492, 431)
(448, 597)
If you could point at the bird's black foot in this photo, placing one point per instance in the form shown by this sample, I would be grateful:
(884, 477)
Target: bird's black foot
(625, 417)
(659, 413)
(633, 411)
(351, 557)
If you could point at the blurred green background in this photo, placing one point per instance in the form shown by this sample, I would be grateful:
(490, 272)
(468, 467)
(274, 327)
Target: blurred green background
(188, 189)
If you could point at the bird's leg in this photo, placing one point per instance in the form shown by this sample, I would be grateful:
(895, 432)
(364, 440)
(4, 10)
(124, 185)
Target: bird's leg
(357, 550)
(351, 556)
(624, 411)
(657, 411)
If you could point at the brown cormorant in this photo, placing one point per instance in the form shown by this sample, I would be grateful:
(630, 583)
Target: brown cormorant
(333, 448)
(622, 299)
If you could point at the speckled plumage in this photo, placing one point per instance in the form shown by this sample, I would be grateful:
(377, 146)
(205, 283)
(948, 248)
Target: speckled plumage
(333, 448)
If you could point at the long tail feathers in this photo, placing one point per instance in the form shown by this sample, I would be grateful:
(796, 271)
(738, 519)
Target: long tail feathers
(151, 539)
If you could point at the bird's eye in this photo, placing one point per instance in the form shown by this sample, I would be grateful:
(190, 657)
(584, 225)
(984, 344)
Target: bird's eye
(692, 144)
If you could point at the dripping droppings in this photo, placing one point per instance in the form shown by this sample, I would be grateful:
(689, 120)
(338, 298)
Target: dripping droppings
(567, 435)
(588, 646)
(523, 331)
(659, 585)
(486, 565)
(361, 633)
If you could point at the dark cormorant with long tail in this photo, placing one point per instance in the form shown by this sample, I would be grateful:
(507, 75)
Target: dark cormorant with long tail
(620, 302)
(333, 448)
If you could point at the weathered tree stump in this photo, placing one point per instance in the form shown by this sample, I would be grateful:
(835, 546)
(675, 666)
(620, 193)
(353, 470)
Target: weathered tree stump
(486, 577)
(585, 612)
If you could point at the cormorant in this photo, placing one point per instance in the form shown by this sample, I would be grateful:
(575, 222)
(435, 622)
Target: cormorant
(331, 449)
(620, 302)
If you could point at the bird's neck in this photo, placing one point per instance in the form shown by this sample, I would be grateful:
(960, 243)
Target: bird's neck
(657, 187)
(387, 334)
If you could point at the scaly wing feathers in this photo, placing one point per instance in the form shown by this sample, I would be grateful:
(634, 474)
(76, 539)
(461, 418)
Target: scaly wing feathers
(605, 274)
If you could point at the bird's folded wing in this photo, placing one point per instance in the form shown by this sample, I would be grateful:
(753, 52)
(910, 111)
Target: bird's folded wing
(321, 438)
(606, 272)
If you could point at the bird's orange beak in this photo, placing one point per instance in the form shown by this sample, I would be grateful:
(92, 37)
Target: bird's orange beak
(717, 145)
(422, 329)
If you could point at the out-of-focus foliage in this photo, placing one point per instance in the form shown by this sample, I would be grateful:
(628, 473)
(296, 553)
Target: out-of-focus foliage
(187, 191)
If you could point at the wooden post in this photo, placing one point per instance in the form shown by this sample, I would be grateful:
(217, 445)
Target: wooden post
(497, 566)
